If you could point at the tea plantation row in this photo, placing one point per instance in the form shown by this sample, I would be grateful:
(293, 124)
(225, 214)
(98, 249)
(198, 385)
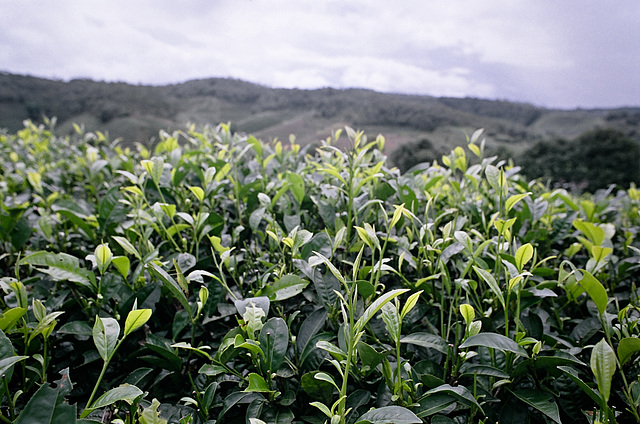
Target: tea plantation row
(219, 279)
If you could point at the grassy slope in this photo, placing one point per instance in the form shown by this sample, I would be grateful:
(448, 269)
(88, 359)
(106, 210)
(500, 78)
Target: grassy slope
(136, 113)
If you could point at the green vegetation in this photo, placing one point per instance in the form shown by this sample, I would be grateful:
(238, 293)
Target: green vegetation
(136, 113)
(219, 279)
(594, 160)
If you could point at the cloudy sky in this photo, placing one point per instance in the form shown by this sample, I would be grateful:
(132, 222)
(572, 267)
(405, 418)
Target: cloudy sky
(567, 54)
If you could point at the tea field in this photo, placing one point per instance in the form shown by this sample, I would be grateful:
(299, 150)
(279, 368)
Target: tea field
(218, 279)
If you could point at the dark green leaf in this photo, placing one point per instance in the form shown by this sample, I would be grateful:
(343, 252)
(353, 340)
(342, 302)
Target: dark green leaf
(309, 328)
(274, 341)
(460, 392)
(76, 215)
(548, 363)
(257, 383)
(61, 267)
(47, 406)
(326, 287)
(170, 284)
(433, 403)
(126, 392)
(491, 282)
(78, 328)
(494, 341)
(487, 370)
(542, 401)
(287, 286)
(369, 356)
(6, 364)
(317, 389)
(389, 415)
(573, 375)
(427, 340)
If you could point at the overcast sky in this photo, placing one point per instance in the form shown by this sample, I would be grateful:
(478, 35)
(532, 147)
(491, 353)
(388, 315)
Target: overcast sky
(553, 53)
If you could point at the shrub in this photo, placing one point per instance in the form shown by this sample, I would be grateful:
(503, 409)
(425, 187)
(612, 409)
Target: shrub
(596, 159)
(215, 278)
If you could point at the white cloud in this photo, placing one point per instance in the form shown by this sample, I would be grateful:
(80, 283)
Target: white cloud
(520, 49)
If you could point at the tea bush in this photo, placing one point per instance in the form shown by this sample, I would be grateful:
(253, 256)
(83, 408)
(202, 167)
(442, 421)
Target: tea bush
(216, 278)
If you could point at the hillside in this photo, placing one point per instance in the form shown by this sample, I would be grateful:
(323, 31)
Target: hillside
(137, 112)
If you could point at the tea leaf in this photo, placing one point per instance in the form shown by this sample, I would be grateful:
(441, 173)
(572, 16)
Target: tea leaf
(122, 264)
(103, 257)
(151, 415)
(105, 336)
(603, 366)
(126, 392)
(60, 267)
(6, 364)
(323, 376)
(376, 306)
(512, 200)
(389, 415)
(491, 282)
(284, 288)
(493, 176)
(170, 284)
(320, 258)
(274, 340)
(127, 246)
(523, 255)
(47, 406)
(256, 384)
(594, 233)
(410, 304)
(541, 401)
(627, 347)
(595, 289)
(467, 313)
(198, 192)
(296, 185)
(427, 340)
(136, 319)
(11, 317)
(392, 320)
(494, 341)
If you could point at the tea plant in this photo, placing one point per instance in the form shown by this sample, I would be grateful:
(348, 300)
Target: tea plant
(216, 278)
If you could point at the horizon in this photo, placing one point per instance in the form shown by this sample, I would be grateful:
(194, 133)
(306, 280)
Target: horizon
(502, 100)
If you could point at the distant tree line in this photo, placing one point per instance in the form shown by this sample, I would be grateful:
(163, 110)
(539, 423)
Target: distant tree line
(594, 160)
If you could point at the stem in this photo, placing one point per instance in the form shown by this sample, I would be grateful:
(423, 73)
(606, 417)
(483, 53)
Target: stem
(9, 399)
(87, 409)
(398, 388)
(95, 388)
(351, 340)
(44, 360)
(626, 389)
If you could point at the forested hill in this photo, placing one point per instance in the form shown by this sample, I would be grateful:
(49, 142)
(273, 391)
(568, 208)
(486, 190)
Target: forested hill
(137, 112)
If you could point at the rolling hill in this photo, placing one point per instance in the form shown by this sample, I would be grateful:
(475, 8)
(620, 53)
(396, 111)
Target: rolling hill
(136, 112)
